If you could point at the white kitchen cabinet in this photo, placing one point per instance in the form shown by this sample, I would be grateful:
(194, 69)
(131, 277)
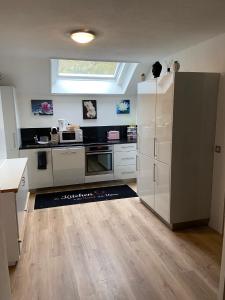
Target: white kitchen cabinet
(178, 139)
(5, 290)
(21, 202)
(38, 178)
(125, 160)
(162, 189)
(164, 119)
(145, 179)
(14, 205)
(10, 128)
(68, 165)
(125, 147)
(146, 122)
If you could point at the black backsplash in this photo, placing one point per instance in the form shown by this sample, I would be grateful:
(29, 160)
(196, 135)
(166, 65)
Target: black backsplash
(27, 134)
(94, 134)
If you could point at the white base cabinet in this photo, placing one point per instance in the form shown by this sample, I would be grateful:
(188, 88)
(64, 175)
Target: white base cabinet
(125, 161)
(14, 217)
(38, 178)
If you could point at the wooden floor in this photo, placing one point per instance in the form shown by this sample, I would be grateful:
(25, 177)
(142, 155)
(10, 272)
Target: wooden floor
(113, 250)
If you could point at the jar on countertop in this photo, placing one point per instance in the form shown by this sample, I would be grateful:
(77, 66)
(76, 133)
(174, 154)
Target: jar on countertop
(54, 136)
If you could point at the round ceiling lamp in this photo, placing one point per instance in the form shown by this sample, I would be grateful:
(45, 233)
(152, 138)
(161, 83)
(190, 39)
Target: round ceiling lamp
(82, 36)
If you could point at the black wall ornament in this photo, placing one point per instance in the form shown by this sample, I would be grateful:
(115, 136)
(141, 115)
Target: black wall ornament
(156, 69)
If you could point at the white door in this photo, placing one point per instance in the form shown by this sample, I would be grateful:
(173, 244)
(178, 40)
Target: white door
(164, 118)
(146, 106)
(162, 190)
(68, 165)
(145, 180)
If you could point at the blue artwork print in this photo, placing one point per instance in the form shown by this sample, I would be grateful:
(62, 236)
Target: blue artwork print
(123, 107)
(42, 107)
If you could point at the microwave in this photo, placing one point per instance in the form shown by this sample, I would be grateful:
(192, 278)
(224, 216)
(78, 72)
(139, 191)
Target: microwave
(75, 136)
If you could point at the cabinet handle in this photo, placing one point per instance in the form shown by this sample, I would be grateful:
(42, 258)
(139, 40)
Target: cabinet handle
(155, 150)
(128, 172)
(23, 181)
(127, 158)
(153, 172)
(126, 147)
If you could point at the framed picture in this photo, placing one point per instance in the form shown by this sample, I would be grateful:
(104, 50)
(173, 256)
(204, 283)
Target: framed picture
(89, 109)
(123, 107)
(42, 107)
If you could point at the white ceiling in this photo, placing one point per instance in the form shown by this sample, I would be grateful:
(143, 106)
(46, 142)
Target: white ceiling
(127, 30)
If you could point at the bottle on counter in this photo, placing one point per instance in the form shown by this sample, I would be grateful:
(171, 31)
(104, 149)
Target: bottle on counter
(131, 132)
(54, 136)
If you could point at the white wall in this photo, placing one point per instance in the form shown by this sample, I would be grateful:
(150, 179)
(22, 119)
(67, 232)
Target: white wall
(31, 77)
(209, 56)
(2, 136)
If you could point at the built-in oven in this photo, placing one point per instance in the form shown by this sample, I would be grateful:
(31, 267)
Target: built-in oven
(99, 160)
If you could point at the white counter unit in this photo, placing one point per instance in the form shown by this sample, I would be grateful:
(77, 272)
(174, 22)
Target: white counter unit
(125, 161)
(38, 178)
(14, 197)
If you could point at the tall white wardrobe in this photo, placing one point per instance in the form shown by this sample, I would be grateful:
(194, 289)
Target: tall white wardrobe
(9, 124)
(176, 117)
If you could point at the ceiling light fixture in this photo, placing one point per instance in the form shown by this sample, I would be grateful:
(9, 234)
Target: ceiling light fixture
(82, 36)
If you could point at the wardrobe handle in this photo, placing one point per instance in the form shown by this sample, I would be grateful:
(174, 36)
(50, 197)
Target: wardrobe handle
(153, 172)
(155, 154)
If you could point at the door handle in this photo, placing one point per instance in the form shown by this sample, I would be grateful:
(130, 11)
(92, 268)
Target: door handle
(155, 147)
(154, 172)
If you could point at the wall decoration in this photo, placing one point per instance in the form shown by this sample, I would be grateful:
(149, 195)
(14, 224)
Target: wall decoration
(156, 69)
(89, 109)
(123, 107)
(42, 107)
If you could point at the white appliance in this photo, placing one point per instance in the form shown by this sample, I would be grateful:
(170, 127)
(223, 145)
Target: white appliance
(62, 124)
(68, 136)
(68, 165)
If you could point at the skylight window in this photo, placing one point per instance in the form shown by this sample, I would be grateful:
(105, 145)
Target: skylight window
(88, 69)
(90, 77)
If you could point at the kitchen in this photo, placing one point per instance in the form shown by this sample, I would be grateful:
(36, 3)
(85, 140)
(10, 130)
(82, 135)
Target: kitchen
(81, 128)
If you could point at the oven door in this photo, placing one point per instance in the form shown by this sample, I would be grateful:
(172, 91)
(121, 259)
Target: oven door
(99, 163)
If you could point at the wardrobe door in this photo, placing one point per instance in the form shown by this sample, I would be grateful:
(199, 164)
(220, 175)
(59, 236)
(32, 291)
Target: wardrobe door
(145, 179)
(162, 190)
(164, 118)
(146, 106)
(146, 190)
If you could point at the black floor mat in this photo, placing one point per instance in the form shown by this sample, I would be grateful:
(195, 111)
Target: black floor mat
(83, 196)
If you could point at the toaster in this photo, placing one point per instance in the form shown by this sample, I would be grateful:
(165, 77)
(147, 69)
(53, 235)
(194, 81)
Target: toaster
(113, 135)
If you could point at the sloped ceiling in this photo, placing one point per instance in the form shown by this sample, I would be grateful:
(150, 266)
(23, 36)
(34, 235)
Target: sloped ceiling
(127, 30)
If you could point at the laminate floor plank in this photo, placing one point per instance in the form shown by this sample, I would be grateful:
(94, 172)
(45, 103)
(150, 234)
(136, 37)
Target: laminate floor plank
(113, 250)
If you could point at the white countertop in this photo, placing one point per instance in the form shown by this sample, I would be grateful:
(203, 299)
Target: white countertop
(11, 171)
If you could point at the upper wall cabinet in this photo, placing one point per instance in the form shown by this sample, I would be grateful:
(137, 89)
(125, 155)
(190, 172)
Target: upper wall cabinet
(176, 119)
(10, 121)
